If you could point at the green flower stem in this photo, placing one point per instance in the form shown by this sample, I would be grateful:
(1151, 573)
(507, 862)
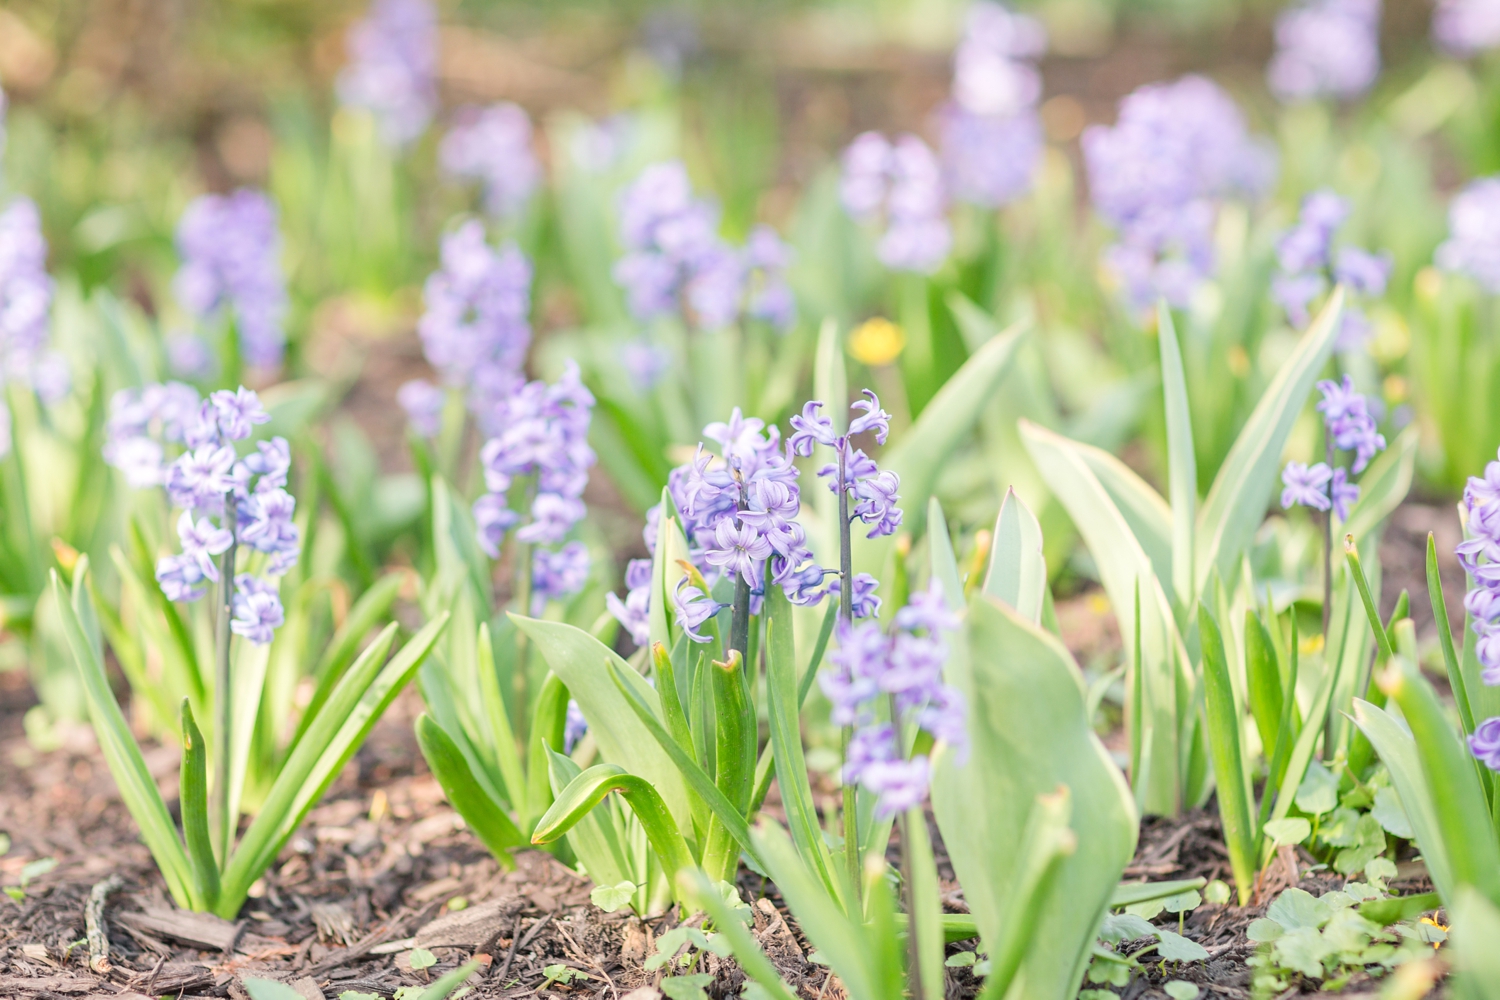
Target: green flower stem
(223, 699)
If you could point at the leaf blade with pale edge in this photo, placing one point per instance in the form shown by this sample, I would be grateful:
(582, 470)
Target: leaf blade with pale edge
(1182, 463)
(1476, 960)
(1398, 751)
(950, 414)
(582, 663)
(123, 755)
(193, 800)
(1018, 571)
(1223, 719)
(1236, 503)
(1029, 734)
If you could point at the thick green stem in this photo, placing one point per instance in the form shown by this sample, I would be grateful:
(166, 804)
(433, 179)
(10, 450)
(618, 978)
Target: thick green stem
(1328, 554)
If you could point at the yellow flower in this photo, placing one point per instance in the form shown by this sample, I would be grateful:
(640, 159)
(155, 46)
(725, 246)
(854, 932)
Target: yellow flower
(876, 341)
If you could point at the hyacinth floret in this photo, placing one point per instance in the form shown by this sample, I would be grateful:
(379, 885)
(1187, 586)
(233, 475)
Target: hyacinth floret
(1306, 262)
(25, 303)
(1349, 426)
(231, 261)
(1326, 48)
(904, 666)
(1473, 244)
(227, 501)
(1157, 175)
(1466, 27)
(1479, 554)
(542, 445)
(392, 72)
(991, 133)
(493, 145)
(899, 187)
(475, 329)
(873, 490)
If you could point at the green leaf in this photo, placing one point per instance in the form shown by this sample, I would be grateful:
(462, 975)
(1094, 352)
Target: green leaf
(1180, 990)
(1216, 892)
(1297, 908)
(123, 755)
(603, 840)
(1303, 949)
(421, 958)
(783, 709)
(1390, 814)
(610, 898)
(1119, 927)
(1290, 830)
(687, 987)
(1176, 948)
(270, 989)
(1018, 572)
(1184, 902)
(1262, 930)
(1393, 909)
(944, 562)
(482, 814)
(1236, 503)
(587, 790)
(1223, 724)
(193, 797)
(925, 900)
(1182, 463)
(746, 952)
(920, 453)
(351, 712)
(1476, 960)
(583, 664)
(1129, 893)
(1123, 567)
(1463, 820)
(449, 982)
(1263, 682)
(1384, 484)
(1029, 735)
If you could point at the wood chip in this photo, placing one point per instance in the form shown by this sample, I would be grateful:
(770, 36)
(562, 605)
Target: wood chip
(472, 926)
(435, 890)
(307, 988)
(334, 922)
(201, 930)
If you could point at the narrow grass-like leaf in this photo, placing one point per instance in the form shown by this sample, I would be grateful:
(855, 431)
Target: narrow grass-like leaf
(448, 982)
(1130, 893)
(747, 953)
(944, 562)
(496, 715)
(1445, 637)
(1236, 503)
(924, 901)
(587, 790)
(193, 796)
(1463, 819)
(1182, 462)
(783, 709)
(549, 728)
(123, 755)
(764, 767)
(598, 838)
(696, 778)
(481, 813)
(1223, 722)
(1263, 681)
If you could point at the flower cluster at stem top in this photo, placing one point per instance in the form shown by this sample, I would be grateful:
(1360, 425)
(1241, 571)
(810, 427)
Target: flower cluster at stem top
(1480, 555)
(1325, 48)
(227, 500)
(1157, 175)
(904, 670)
(542, 448)
(740, 508)
(25, 303)
(493, 145)
(899, 186)
(392, 72)
(231, 262)
(675, 260)
(1305, 256)
(1350, 427)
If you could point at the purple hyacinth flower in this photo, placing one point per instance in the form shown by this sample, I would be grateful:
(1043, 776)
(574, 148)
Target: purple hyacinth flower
(901, 784)
(811, 428)
(634, 613)
(1484, 743)
(990, 160)
(492, 519)
(201, 541)
(693, 607)
(1364, 272)
(1326, 48)
(180, 578)
(558, 575)
(1466, 27)
(1473, 244)
(1305, 486)
(869, 745)
(238, 412)
(393, 67)
(493, 145)
(735, 549)
(863, 602)
(200, 478)
(423, 403)
(231, 259)
(927, 611)
(257, 609)
(574, 726)
(1342, 494)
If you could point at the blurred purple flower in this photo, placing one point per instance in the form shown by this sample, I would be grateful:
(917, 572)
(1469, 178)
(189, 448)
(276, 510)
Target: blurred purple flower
(231, 261)
(645, 362)
(257, 609)
(1484, 743)
(493, 145)
(1326, 48)
(1305, 487)
(392, 69)
(556, 575)
(900, 184)
(1473, 244)
(25, 295)
(1466, 27)
(423, 403)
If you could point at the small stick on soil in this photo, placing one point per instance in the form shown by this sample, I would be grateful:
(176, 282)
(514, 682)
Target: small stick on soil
(357, 951)
(584, 957)
(93, 919)
(517, 943)
(155, 971)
